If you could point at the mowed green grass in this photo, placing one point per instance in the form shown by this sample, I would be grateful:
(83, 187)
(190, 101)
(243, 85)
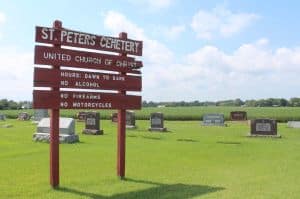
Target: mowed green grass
(190, 161)
(282, 114)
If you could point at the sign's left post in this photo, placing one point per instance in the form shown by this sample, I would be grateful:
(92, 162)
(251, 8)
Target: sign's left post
(54, 126)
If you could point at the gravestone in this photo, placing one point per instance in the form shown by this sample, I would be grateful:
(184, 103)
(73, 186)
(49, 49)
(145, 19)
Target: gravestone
(92, 124)
(293, 124)
(213, 119)
(2, 117)
(81, 116)
(23, 116)
(40, 114)
(66, 131)
(114, 117)
(7, 126)
(264, 127)
(130, 120)
(238, 115)
(157, 122)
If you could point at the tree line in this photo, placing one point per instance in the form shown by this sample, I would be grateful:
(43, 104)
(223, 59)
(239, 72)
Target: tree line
(6, 104)
(270, 102)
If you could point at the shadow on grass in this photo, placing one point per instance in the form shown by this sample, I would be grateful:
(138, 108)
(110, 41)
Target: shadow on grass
(186, 140)
(152, 138)
(225, 142)
(131, 136)
(172, 191)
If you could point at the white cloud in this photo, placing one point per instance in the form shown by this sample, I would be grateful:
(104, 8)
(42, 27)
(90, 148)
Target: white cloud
(154, 52)
(159, 4)
(16, 73)
(220, 21)
(2, 18)
(2, 21)
(116, 23)
(249, 58)
(174, 32)
(252, 70)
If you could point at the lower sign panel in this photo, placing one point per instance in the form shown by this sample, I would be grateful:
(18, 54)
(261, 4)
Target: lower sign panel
(84, 100)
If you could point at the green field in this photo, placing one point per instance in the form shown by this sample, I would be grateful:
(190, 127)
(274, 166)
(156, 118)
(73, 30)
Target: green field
(190, 161)
(281, 114)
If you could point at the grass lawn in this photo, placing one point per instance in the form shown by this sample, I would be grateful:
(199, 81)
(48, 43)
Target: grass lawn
(190, 161)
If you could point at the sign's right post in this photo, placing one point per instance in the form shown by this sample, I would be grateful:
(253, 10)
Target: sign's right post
(121, 128)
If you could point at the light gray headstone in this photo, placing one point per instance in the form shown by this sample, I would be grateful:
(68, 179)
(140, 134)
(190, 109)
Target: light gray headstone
(157, 122)
(40, 114)
(213, 120)
(66, 126)
(293, 124)
(66, 130)
(130, 119)
(2, 117)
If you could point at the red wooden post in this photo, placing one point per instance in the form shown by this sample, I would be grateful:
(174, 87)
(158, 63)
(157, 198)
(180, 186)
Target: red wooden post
(121, 128)
(54, 130)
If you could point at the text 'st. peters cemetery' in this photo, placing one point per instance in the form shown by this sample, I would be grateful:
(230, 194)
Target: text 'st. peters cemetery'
(115, 72)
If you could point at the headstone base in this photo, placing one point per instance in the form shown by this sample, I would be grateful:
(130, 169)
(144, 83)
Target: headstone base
(240, 121)
(158, 129)
(214, 124)
(92, 132)
(130, 127)
(63, 138)
(266, 136)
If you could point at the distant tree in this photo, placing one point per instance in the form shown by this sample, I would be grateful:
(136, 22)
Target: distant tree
(295, 101)
(283, 102)
(238, 102)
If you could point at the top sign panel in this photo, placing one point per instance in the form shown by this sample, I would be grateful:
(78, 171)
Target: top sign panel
(85, 40)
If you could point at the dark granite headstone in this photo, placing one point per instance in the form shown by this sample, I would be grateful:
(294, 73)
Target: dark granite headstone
(2, 117)
(114, 117)
(263, 127)
(130, 119)
(157, 122)
(81, 116)
(23, 116)
(92, 124)
(213, 119)
(238, 115)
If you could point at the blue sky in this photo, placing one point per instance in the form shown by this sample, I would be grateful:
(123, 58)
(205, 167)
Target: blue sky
(193, 50)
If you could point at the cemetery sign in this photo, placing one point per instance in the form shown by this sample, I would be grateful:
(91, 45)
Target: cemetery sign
(118, 73)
